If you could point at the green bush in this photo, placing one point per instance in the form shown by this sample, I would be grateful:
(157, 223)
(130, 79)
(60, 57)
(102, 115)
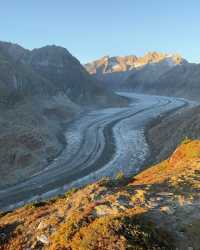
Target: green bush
(119, 176)
(185, 140)
(70, 192)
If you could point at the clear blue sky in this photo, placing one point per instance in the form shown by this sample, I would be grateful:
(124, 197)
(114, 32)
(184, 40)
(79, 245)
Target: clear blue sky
(90, 29)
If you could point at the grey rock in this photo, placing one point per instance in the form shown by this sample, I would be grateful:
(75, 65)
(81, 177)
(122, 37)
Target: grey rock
(43, 238)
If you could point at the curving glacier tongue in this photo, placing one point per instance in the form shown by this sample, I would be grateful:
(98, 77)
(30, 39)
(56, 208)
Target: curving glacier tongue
(99, 143)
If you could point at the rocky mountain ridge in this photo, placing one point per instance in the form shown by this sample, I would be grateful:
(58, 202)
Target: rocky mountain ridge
(109, 64)
(115, 70)
(47, 71)
(155, 73)
(181, 81)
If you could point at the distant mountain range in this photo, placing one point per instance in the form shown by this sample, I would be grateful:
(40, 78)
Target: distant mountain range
(116, 70)
(154, 73)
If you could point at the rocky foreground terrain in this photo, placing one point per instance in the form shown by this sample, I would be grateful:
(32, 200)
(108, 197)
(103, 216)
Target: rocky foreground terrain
(157, 209)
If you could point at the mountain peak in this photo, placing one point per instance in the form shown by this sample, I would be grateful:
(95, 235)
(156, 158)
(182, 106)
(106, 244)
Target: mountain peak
(109, 64)
(13, 50)
(52, 47)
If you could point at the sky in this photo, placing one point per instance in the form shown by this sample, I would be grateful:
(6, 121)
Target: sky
(90, 29)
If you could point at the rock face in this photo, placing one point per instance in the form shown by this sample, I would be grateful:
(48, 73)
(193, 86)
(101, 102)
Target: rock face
(116, 70)
(40, 90)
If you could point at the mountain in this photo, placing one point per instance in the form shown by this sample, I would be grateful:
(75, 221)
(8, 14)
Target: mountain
(48, 71)
(156, 209)
(144, 78)
(40, 91)
(182, 81)
(154, 73)
(17, 78)
(114, 71)
(66, 73)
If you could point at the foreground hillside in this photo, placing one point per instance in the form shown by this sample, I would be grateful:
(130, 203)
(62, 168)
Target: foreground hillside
(157, 209)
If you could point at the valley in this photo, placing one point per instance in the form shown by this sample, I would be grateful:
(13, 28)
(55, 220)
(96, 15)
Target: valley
(100, 143)
(99, 125)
